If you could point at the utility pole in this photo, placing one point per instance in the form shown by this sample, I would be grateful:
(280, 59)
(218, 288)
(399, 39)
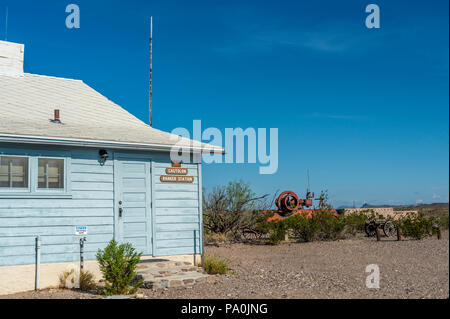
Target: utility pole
(151, 69)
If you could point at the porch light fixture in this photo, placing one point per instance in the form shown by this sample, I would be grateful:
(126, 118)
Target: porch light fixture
(103, 156)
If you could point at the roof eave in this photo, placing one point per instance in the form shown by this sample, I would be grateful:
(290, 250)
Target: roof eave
(10, 138)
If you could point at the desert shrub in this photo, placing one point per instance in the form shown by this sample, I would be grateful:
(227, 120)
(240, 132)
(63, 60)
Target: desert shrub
(87, 281)
(354, 222)
(229, 209)
(213, 238)
(443, 221)
(67, 279)
(215, 265)
(330, 227)
(303, 228)
(118, 264)
(417, 225)
(277, 230)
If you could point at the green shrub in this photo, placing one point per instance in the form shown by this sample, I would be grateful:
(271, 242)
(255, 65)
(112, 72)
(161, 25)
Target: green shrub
(215, 265)
(417, 225)
(354, 222)
(277, 230)
(118, 264)
(330, 227)
(303, 228)
(443, 222)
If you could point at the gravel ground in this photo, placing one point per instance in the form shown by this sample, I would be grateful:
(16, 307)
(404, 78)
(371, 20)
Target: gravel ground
(408, 269)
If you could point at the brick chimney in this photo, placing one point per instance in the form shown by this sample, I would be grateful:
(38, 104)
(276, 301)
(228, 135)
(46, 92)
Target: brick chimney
(11, 59)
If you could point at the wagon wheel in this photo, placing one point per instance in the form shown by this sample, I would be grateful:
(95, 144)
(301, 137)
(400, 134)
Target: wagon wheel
(389, 229)
(371, 229)
(250, 235)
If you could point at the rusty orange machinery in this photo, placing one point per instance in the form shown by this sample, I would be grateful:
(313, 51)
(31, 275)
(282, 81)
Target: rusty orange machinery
(288, 204)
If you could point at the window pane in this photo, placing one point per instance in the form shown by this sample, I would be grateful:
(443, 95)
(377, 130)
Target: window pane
(13, 172)
(50, 173)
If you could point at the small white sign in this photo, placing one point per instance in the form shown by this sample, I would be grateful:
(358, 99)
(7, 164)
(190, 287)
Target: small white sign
(81, 230)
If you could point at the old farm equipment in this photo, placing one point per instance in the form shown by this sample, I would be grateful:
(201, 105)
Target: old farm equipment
(387, 226)
(288, 202)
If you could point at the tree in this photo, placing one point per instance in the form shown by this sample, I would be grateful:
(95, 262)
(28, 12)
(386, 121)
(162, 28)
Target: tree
(324, 204)
(229, 208)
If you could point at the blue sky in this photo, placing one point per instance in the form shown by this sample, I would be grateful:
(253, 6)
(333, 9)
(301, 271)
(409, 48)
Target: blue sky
(365, 110)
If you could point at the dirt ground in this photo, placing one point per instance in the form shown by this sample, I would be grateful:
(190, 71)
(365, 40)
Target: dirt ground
(408, 269)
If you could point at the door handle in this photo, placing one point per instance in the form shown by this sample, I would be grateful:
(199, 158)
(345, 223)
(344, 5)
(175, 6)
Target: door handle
(120, 211)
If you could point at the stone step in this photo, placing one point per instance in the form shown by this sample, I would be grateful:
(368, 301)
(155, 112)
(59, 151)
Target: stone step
(172, 270)
(151, 282)
(163, 264)
(165, 274)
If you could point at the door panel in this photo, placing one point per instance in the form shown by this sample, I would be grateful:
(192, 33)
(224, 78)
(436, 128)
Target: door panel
(133, 198)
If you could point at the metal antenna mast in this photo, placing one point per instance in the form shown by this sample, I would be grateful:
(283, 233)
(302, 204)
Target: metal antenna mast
(307, 174)
(151, 69)
(6, 27)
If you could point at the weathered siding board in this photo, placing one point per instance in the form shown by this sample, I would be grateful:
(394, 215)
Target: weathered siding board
(176, 211)
(52, 212)
(174, 203)
(44, 204)
(54, 221)
(92, 186)
(51, 230)
(51, 240)
(46, 258)
(168, 187)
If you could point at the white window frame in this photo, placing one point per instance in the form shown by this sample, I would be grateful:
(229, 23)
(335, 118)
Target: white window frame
(33, 191)
(18, 189)
(36, 177)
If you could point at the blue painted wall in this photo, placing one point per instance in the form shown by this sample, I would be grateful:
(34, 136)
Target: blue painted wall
(175, 209)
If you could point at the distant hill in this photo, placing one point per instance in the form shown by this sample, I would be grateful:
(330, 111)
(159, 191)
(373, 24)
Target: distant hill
(435, 209)
(374, 206)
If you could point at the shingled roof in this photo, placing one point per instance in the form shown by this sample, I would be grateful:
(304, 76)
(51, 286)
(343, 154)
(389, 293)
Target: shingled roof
(28, 101)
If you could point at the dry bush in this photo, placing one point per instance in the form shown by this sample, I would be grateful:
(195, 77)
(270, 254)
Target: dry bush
(213, 238)
(84, 280)
(63, 279)
(229, 209)
(87, 281)
(215, 265)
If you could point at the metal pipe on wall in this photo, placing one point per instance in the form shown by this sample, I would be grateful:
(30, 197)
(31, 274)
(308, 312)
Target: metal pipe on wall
(38, 262)
(82, 241)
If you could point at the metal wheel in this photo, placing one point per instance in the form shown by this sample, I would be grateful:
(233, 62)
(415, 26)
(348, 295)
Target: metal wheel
(371, 229)
(287, 202)
(249, 235)
(389, 229)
